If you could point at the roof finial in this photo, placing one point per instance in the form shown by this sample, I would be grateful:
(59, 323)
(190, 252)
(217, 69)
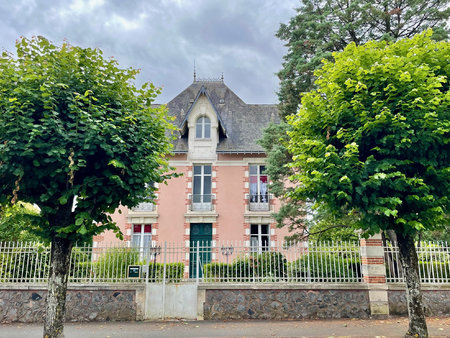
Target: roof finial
(195, 75)
(222, 77)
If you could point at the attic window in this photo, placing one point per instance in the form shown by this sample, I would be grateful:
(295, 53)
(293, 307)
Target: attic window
(203, 127)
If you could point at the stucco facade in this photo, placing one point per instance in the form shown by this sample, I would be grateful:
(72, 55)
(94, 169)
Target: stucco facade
(222, 193)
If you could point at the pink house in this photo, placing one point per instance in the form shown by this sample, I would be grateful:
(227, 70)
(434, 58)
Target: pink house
(222, 194)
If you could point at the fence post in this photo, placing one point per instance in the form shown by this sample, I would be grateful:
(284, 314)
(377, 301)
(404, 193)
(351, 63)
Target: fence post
(198, 263)
(374, 274)
(164, 283)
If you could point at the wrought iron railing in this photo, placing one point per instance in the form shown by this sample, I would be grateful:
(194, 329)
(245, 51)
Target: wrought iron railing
(434, 263)
(144, 207)
(201, 202)
(259, 202)
(216, 262)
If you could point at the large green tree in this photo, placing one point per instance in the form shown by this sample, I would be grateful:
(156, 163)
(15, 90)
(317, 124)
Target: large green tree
(319, 28)
(373, 139)
(322, 27)
(77, 139)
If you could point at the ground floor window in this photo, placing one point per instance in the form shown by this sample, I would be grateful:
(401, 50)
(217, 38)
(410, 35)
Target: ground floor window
(259, 237)
(141, 236)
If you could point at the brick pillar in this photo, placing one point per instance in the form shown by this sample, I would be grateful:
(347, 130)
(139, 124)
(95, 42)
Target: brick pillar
(374, 274)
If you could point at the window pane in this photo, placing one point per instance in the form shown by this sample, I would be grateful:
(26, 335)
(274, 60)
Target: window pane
(207, 169)
(197, 169)
(147, 239)
(137, 228)
(197, 185)
(254, 229)
(262, 169)
(253, 170)
(135, 240)
(198, 130)
(253, 186)
(148, 228)
(254, 243)
(207, 185)
(265, 229)
(207, 130)
(265, 242)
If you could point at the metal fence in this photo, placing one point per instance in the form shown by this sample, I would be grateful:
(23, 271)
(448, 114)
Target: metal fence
(434, 263)
(216, 262)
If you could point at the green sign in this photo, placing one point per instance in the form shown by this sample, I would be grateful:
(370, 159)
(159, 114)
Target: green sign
(134, 271)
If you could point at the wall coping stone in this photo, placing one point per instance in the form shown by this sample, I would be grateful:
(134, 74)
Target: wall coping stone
(290, 286)
(40, 286)
(423, 287)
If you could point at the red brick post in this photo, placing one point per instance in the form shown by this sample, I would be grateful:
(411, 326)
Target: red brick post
(374, 274)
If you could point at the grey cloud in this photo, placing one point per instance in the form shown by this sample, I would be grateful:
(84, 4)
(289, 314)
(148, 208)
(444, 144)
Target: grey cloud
(162, 38)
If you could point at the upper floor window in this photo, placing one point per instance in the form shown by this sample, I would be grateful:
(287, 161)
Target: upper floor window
(201, 198)
(258, 184)
(203, 127)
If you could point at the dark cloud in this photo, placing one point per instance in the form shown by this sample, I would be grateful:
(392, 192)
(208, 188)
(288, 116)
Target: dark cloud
(163, 38)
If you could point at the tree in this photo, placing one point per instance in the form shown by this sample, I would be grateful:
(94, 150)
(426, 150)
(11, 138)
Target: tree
(302, 222)
(17, 223)
(373, 141)
(77, 139)
(320, 28)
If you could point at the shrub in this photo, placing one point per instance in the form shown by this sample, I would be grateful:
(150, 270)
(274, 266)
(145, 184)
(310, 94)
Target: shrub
(265, 267)
(325, 267)
(25, 264)
(113, 263)
(430, 271)
(216, 272)
(174, 272)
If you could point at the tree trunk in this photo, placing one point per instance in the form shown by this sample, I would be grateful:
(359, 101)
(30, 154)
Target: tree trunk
(410, 265)
(57, 287)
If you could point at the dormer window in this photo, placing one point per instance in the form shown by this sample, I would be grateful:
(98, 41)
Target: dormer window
(203, 127)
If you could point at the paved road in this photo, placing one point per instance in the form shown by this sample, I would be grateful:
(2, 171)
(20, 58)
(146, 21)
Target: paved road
(393, 327)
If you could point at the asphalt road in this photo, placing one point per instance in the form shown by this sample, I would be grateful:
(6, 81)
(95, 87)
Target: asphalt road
(392, 327)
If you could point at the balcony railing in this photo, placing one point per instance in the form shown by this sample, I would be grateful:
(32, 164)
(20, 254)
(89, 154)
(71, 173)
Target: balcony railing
(259, 202)
(144, 207)
(201, 202)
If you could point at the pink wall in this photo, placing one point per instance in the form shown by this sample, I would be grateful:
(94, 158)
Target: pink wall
(172, 207)
(230, 203)
(108, 237)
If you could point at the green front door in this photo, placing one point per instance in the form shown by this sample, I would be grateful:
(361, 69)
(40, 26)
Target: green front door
(201, 235)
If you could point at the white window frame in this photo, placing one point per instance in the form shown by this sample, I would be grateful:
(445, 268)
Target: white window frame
(258, 183)
(202, 176)
(204, 122)
(259, 236)
(143, 251)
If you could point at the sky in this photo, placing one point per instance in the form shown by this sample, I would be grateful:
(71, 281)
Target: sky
(163, 38)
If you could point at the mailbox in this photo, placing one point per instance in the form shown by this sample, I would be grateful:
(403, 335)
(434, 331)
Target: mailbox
(134, 271)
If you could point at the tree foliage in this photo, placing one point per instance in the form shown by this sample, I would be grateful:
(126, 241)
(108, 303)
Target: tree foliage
(373, 140)
(374, 136)
(72, 124)
(317, 30)
(17, 223)
(322, 27)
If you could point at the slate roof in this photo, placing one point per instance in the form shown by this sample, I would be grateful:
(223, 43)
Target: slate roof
(241, 124)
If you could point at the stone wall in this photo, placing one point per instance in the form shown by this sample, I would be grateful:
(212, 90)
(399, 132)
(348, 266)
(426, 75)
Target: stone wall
(273, 303)
(83, 304)
(436, 301)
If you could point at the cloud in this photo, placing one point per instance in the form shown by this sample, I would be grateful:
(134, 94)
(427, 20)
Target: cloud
(163, 38)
